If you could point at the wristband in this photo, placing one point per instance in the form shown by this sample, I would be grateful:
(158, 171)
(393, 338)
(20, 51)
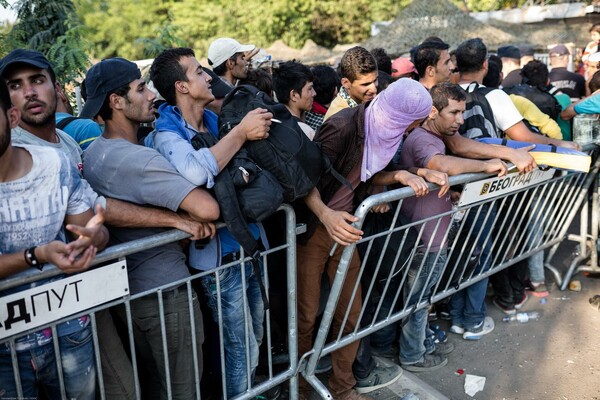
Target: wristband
(31, 259)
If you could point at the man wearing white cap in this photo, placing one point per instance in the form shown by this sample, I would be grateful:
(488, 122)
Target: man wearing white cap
(227, 58)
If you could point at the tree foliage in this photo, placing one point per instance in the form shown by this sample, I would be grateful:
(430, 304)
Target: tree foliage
(52, 28)
(136, 28)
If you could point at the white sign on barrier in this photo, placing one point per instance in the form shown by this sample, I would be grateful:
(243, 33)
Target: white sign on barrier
(52, 301)
(493, 187)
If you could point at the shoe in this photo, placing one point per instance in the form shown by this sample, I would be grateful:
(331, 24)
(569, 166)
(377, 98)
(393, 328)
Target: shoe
(352, 395)
(443, 311)
(381, 376)
(483, 328)
(538, 289)
(508, 310)
(439, 336)
(520, 304)
(443, 348)
(595, 302)
(457, 329)
(430, 362)
(324, 365)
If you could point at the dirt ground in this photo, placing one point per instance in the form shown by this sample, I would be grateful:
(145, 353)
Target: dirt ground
(556, 357)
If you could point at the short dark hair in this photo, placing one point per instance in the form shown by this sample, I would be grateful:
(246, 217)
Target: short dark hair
(595, 28)
(493, 77)
(105, 111)
(442, 92)
(222, 68)
(357, 61)
(470, 55)
(260, 78)
(326, 80)
(166, 70)
(427, 54)
(535, 73)
(384, 62)
(288, 76)
(5, 103)
(595, 82)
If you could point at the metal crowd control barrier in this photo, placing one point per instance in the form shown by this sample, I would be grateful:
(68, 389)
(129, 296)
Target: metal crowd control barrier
(98, 316)
(493, 233)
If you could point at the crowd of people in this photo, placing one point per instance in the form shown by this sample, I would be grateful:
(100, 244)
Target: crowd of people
(382, 123)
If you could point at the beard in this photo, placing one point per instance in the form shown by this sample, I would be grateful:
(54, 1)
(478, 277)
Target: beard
(40, 119)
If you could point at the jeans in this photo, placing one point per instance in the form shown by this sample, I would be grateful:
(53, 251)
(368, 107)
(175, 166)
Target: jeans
(37, 368)
(413, 345)
(234, 322)
(467, 307)
(150, 353)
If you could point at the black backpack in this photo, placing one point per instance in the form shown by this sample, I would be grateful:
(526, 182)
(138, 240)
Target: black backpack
(478, 115)
(295, 160)
(545, 101)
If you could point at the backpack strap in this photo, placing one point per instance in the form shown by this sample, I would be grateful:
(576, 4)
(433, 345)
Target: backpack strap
(231, 212)
(65, 121)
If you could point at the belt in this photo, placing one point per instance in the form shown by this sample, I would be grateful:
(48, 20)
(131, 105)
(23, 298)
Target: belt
(231, 257)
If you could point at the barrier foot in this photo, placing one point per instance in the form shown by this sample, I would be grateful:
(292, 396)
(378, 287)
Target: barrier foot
(319, 387)
(571, 270)
(557, 278)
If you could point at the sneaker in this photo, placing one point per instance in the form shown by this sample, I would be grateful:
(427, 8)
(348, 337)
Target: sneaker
(381, 376)
(443, 348)
(483, 328)
(508, 310)
(439, 336)
(538, 289)
(430, 362)
(352, 395)
(521, 303)
(457, 329)
(324, 365)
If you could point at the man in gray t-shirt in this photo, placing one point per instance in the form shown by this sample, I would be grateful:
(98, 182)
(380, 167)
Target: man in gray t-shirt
(117, 167)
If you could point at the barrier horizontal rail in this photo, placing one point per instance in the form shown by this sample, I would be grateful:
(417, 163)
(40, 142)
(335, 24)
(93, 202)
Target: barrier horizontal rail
(187, 288)
(507, 229)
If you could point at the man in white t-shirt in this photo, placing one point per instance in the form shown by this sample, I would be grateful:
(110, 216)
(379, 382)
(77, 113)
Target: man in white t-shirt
(41, 199)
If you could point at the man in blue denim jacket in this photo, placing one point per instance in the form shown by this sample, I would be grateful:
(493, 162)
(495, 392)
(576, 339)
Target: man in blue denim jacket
(180, 79)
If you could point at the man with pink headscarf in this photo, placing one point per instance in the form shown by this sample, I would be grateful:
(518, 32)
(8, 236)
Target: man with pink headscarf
(360, 142)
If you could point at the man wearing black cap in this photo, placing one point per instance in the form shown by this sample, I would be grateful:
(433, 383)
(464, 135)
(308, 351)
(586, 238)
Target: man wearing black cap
(511, 65)
(117, 167)
(33, 90)
(568, 82)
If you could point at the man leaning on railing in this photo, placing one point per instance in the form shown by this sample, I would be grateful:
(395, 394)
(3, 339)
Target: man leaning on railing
(40, 192)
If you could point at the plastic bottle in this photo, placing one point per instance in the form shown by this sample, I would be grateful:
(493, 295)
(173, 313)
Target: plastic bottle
(522, 317)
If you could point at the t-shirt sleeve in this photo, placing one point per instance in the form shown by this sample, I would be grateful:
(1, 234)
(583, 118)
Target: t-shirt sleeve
(419, 147)
(161, 185)
(81, 196)
(505, 112)
(591, 105)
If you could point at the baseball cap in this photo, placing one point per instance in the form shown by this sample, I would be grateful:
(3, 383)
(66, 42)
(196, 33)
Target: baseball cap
(402, 66)
(509, 52)
(560, 49)
(104, 77)
(220, 50)
(219, 88)
(24, 56)
(526, 50)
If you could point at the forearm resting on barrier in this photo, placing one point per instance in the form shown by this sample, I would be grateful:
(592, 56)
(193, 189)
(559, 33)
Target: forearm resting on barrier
(455, 165)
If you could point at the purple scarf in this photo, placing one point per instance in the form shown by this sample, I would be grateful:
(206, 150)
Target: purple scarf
(387, 117)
